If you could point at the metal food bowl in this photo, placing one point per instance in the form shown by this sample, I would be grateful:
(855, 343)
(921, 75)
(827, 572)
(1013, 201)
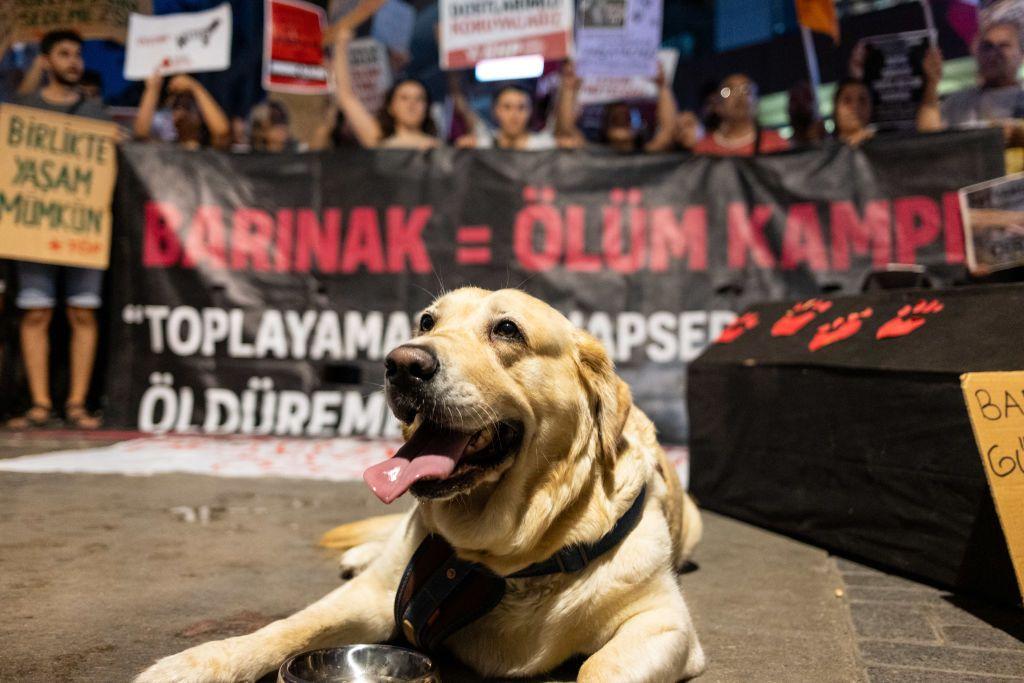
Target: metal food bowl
(359, 664)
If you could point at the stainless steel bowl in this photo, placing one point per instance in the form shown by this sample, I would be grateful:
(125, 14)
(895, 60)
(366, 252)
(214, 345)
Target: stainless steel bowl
(359, 664)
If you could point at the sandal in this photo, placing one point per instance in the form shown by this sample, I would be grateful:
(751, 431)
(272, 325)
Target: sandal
(39, 416)
(78, 417)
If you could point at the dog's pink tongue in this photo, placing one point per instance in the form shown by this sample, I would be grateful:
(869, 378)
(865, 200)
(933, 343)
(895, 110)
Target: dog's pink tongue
(431, 453)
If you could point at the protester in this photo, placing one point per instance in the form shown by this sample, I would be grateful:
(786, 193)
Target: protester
(270, 130)
(739, 133)
(808, 128)
(851, 112)
(511, 107)
(618, 131)
(61, 63)
(198, 119)
(403, 122)
(997, 99)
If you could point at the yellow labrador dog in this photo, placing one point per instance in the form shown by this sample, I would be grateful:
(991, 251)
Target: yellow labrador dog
(521, 443)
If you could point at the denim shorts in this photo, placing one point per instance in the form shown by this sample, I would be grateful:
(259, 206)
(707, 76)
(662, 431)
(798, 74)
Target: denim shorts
(37, 285)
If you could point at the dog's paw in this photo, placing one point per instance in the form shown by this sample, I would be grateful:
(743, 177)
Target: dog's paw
(354, 560)
(214, 662)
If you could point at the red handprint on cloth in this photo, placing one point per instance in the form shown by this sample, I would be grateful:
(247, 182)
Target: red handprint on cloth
(908, 319)
(843, 327)
(737, 327)
(799, 316)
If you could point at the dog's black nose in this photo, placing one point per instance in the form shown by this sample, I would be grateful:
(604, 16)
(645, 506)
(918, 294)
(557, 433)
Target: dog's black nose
(410, 364)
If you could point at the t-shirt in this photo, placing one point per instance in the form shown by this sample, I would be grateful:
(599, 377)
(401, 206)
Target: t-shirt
(89, 107)
(771, 142)
(535, 142)
(980, 106)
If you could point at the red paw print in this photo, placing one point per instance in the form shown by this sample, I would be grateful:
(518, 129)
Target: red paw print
(797, 317)
(737, 327)
(908, 319)
(841, 328)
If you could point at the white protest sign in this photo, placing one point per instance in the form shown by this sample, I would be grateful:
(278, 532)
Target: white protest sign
(371, 71)
(993, 218)
(618, 38)
(190, 42)
(393, 24)
(612, 89)
(474, 30)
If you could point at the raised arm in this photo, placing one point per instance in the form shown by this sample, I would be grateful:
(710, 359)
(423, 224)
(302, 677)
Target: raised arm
(322, 135)
(364, 125)
(929, 113)
(32, 79)
(664, 133)
(566, 130)
(143, 125)
(460, 103)
(213, 116)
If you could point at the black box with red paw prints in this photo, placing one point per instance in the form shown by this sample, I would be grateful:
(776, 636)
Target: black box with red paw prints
(840, 421)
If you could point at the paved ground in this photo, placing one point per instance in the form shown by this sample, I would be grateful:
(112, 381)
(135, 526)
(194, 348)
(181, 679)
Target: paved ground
(104, 573)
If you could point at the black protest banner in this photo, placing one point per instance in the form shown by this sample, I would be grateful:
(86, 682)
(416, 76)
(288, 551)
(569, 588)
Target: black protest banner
(259, 294)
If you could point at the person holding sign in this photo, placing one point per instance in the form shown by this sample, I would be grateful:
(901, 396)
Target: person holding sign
(198, 119)
(617, 130)
(61, 59)
(402, 123)
(997, 100)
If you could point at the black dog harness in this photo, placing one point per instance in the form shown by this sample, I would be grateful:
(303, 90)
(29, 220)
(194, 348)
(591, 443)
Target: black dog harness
(439, 593)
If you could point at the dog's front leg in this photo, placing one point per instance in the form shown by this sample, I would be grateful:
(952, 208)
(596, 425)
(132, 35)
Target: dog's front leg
(358, 612)
(655, 646)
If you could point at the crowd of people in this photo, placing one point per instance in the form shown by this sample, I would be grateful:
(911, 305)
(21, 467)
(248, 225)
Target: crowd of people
(179, 110)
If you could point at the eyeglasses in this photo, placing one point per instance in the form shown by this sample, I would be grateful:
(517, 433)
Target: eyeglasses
(742, 89)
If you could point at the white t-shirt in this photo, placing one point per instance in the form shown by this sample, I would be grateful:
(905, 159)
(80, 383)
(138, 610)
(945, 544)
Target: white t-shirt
(978, 106)
(535, 142)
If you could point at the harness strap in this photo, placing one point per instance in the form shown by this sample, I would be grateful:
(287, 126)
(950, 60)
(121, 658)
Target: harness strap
(439, 593)
(574, 558)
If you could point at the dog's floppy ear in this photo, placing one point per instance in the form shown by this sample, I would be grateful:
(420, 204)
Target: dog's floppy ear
(610, 398)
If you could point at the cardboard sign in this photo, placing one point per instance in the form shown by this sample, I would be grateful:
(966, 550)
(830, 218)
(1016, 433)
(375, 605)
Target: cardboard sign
(371, 71)
(894, 74)
(293, 54)
(605, 90)
(57, 177)
(393, 24)
(92, 19)
(472, 31)
(6, 25)
(190, 42)
(993, 218)
(618, 38)
(995, 403)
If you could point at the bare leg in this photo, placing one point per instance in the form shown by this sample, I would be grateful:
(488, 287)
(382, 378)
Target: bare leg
(84, 336)
(35, 350)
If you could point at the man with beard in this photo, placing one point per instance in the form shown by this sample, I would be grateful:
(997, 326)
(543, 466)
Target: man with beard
(61, 53)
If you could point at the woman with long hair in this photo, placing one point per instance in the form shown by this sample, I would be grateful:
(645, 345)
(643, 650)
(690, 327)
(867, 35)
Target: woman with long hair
(404, 119)
(851, 112)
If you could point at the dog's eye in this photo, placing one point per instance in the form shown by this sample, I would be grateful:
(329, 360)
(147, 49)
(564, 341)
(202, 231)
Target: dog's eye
(506, 329)
(426, 322)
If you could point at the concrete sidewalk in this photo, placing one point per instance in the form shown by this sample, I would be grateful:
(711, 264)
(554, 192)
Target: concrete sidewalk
(105, 573)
